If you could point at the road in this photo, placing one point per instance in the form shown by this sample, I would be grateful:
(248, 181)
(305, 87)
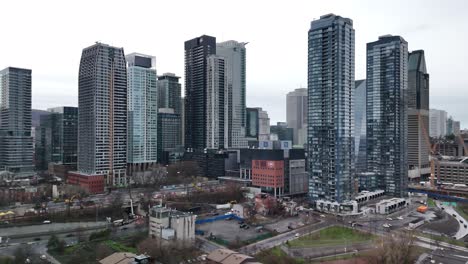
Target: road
(462, 230)
(38, 230)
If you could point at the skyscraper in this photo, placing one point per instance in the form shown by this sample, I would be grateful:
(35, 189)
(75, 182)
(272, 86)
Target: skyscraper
(142, 112)
(215, 103)
(235, 58)
(169, 92)
(263, 125)
(437, 123)
(387, 123)
(16, 143)
(252, 126)
(168, 132)
(418, 115)
(296, 114)
(197, 51)
(360, 100)
(57, 138)
(330, 108)
(102, 113)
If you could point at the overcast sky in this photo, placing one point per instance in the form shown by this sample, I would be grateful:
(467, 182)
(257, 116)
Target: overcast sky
(48, 36)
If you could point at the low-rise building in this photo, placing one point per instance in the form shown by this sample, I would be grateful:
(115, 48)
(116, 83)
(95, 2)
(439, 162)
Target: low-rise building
(391, 205)
(454, 171)
(167, 225)
(366, 196)
(348, 207)
(92, 183)
(227, 256)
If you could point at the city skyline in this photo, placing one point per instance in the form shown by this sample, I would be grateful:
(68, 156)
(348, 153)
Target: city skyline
(52, 84)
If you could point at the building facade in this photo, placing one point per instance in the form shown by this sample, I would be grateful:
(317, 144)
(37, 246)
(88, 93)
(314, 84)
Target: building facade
(57, 138)
(197, 51)
(167, 225)
(281, 131)
(437, 123)
(91, 183)
(296, 114)
(16, 142)
(142, 108)
(418, 115)
(263, 125)
(252, 125)
(102, 113)
(451, 171)
(360, 101)
(387, 123)
(168, 131)
(169, 92)
(216, 109)
(330, 108)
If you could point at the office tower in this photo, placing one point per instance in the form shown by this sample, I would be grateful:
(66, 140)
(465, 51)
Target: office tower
(251, 127)
(437, 123)
(169, 92)
(360, 100)
(330, 108)
(456, 128)
(182, 121)
(449, 126)
(387, 123)
(235, 56)
(102, 113)
(296, 114)
(215, 103)
(281, 131)
(263, 125)
(142, 117)
(418, 115)
(57, 138)
(16, 144)
(197, 51)
(168, 132)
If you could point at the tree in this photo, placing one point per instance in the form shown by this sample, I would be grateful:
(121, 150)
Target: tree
(53, 242)
(395, 249)
(21, 254)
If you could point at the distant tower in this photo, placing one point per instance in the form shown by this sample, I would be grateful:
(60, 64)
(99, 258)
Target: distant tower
(142, 108)
(418, 115)
(102, 113)
(330, 109)
(216, 109)
(387, 123)
(360, 100)
(296, 114)
(16, 142)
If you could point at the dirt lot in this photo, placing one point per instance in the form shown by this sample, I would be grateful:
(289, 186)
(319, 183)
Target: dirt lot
(228, 230)
(443, 224)
(282, 225)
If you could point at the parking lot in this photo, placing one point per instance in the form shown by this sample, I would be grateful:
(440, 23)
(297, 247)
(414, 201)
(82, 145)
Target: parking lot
(284, 225)
(229, 230)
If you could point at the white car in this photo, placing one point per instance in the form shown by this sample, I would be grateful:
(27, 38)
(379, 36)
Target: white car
(389, 219)
(400, 218)
(323, 216)
(387, 225)
(46, 222)
(296, 235)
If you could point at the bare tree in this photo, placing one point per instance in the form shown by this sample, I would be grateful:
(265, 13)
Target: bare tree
(395, 249)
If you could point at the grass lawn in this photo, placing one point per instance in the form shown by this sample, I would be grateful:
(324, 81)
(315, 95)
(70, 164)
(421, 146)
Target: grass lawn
(330, 236)
(444, 239)
(430, 202)
(277, 256)
(462, 209)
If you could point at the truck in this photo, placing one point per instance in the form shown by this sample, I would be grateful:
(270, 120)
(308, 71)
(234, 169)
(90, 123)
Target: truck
(422, 209)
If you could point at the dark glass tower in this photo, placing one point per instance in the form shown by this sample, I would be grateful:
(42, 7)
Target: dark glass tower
(197, 51)
(102, 113)
(360, 125)
(330, 109)
(169, 92)
(418, 115)
(387, 81)
(16, 143)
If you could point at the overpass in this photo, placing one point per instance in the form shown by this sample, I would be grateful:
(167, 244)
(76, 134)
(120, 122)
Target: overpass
(457, 195)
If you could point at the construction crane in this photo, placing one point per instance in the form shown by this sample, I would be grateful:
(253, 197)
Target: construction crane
(433, 149)
(462, 142)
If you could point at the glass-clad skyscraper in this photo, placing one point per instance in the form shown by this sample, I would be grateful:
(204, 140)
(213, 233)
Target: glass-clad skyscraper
(360, 101)
(330, 108)
(387, 82)
(142, 112)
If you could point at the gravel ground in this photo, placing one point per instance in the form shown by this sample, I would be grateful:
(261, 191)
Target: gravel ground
(443, 224)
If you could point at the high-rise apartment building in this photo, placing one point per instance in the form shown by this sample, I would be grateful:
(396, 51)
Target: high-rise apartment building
(142, 126)
(360, 101)
(197, 51)
(216, 109)
(296, 114)
(16, 143)
(234, 54)
(418, 115)
(57, 138)
(263, 125)
(387, 123)
(168, 132)
(102, 113)
(169, 92)
(251, 127)
(437, 123)
(330, 109)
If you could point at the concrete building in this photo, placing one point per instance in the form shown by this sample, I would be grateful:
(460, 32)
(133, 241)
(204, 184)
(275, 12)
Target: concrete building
(453, 170)
(418, 115)
(348, 207)
(142, 108)
(391, 205)
(102, 113)
(387, 123)
(263, 125)
(437, 123)
(281, 131)
(456, 128)
(16, 142)
(168, 225)
(92, 183)
(235, 107)
(451, 148)
(330, 109)
(296, 115)
(57, 138)
(168, 132)
(216, 112)
(197, 51)
(360, 101)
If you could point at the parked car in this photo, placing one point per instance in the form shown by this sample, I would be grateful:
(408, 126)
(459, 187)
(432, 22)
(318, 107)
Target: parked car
(389, 219)
(296, 235)
(46, 222)
(400, 218)
(242, 225)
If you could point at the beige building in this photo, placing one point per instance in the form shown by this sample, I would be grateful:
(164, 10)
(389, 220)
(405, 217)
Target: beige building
(171, 225)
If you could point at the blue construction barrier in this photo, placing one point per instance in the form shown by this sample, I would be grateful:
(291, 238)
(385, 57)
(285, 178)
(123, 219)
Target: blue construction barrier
(216, 218)
(441, 196)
